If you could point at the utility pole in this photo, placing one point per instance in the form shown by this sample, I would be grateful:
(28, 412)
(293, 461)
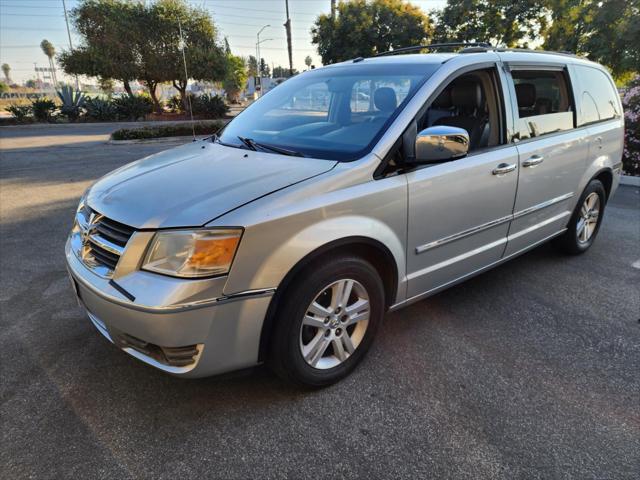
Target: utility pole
(287, 26)
(333, 9)
(258, 42)
(66, 19)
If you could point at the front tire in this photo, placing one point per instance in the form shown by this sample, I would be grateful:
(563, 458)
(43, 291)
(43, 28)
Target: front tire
(585, 222)
(328, 319)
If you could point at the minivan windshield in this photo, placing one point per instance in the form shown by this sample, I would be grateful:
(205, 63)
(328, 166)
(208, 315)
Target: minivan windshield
(335, 113)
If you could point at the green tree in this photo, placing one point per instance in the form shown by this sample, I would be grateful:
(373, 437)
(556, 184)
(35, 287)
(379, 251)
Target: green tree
(127, 40)
(235, 78)
(566, 27)
(252, 66)
(6, 70)
(110, 32)
(362, 29)
(612, 37)
(308, 61)
(507, 23)
(3, 87)
(282, 72)
(605, 31)
(265, 71)
(107, 85)
(205, 59)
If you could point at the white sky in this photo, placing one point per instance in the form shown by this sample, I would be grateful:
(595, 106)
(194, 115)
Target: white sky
(25, 23)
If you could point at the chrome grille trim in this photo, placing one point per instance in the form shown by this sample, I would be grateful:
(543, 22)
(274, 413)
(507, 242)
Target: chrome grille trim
(105, 244)
(98, 241)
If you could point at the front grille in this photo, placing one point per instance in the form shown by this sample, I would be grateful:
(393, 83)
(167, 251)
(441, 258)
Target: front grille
(116, 232)
(103, 256)
(101, 240)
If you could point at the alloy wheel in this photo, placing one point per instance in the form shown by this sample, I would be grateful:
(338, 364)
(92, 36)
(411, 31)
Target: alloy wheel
(334, 324)
(588, 221)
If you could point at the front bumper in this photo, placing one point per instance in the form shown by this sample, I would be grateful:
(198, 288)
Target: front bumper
(153, 317)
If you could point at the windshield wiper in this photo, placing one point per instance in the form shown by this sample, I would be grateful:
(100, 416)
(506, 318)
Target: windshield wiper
(253, 145)
(248, 142)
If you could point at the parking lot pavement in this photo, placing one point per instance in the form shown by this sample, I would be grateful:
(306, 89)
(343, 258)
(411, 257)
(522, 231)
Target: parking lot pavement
(528, 371)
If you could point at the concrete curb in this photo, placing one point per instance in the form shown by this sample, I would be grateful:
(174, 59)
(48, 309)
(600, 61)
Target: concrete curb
(629, 180)
(184, 139)
(117, 125)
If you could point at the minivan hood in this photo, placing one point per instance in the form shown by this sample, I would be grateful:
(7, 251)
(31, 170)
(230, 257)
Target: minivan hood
(190, 185)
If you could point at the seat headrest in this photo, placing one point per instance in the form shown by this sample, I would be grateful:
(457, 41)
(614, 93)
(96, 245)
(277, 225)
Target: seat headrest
(466, 95)
(443, 100)
(526, 95)
(385, 100)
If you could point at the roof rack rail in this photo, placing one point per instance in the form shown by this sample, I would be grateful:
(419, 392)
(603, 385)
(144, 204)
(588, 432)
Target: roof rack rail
(528, 50)
(433, 46)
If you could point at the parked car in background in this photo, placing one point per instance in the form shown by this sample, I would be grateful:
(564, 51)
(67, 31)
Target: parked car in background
(286, 238)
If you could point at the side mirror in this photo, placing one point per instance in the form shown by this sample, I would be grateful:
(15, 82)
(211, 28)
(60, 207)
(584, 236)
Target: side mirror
(441, 143)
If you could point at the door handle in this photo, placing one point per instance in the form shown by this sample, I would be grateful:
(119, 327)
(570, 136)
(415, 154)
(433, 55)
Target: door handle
(504, 168)
(599, 141)
(533, 161)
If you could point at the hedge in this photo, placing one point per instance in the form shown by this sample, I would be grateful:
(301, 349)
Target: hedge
(161, 131)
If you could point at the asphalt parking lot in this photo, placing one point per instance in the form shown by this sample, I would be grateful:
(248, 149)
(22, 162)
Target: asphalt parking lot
(531, 370)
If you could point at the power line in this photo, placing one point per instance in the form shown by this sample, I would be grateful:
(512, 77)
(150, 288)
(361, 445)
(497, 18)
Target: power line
(31, 15)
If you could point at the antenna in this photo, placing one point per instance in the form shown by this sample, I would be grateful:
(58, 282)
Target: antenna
(186, 80)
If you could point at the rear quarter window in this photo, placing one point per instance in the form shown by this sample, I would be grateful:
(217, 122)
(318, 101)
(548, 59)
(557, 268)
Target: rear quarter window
(597, 92)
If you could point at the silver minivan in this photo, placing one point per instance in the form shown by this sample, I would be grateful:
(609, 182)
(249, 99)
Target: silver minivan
(346, 192)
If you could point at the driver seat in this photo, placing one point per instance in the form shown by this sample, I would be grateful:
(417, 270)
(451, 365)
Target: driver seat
(468, 100)
(385, 101)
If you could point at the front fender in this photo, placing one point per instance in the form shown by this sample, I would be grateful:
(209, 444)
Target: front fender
(273, 267)
(283, 229)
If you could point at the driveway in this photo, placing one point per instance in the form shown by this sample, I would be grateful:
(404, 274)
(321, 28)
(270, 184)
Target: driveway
(528, 371)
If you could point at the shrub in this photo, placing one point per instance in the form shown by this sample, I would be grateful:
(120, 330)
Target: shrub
(42, 109)
(175, 104)
(179, 130)
(21, 113)
(100, 109)
(72, 102)
(210, 106)
(631, 104)
(133, 107)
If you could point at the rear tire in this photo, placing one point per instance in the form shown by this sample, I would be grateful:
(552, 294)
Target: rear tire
(327, 321)
(585, 222)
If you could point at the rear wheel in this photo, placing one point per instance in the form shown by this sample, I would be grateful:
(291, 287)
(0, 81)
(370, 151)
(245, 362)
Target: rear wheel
(585, 221)
(327, 321)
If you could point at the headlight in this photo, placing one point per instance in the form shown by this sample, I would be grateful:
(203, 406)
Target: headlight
(192, 253)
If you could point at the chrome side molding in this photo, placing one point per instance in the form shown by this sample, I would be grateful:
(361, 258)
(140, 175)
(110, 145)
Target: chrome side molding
(464, 233)
(493, 223)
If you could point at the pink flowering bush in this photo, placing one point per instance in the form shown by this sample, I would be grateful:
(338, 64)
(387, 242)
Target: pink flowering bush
(631, 104)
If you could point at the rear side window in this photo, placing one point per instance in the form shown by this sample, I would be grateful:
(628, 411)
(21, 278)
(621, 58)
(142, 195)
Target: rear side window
(544, 103)
(588, 109)
(596, 89)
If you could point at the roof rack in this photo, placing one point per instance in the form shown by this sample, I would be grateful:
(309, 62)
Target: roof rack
(469, 47)
(528, 50)
(433, 46)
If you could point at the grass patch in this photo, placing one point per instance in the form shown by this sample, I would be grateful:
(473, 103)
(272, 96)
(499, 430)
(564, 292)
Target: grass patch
(162, 131)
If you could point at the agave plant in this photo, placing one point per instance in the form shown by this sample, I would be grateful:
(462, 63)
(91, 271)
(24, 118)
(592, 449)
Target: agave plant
(72, 102)
(100, 109)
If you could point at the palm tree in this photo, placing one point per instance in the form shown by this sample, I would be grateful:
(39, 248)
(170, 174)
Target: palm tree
(6, 69)
(49, 50)
(308, 61)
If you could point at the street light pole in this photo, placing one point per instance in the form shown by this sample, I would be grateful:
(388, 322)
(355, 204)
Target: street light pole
(259, 74)
(66, 19)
